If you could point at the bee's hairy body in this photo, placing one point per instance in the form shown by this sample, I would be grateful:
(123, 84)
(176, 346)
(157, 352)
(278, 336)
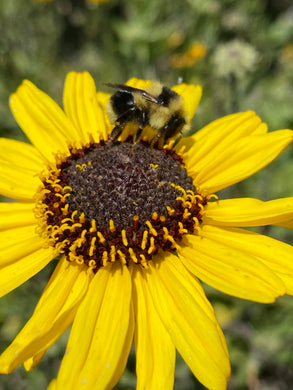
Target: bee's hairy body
(157, 106)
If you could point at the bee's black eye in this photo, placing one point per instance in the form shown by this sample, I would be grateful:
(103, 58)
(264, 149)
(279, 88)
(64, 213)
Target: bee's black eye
(122, 102)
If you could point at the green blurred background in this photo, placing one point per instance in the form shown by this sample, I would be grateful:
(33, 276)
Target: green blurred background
(242, 55)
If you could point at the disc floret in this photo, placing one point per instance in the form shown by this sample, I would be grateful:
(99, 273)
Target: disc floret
(113, 201)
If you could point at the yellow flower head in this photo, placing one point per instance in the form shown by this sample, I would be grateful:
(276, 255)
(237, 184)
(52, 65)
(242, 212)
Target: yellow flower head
(196, 52)
(135, 223)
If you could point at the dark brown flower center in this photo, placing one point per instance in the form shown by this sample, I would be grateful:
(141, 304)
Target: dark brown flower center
(119, 201)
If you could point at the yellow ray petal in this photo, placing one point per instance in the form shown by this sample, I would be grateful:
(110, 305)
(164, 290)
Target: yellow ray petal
(81, 105)
(18, 242)
(21, 154)
(101, 334)
(239, 160)
(248, 212)
(231, 127)
(286, 224)
(228, 269)
(52, 316)
(15, 214)
(103, 99)
(189, 318)
(13, 275)
(31, 363)
(41, 119)
(17, 182)
(138, 83)
(220, 134)
(52, 385)
(191, 95)
(155, 352)
(275, 254)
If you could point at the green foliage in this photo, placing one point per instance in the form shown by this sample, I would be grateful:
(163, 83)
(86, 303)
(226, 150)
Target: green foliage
(249, 65)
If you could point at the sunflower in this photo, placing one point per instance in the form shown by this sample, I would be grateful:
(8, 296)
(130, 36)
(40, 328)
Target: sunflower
(134, 227)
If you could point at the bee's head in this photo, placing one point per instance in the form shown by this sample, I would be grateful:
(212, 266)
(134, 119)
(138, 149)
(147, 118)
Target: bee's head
(121, 102)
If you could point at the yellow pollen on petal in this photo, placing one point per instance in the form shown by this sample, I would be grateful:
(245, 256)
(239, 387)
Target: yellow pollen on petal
(162, 218)
(56, 205)
(151, 229)
(144, 239)
(124, 238)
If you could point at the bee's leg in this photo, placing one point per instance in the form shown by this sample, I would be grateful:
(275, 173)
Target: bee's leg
(121, 122)
(116, 132)
(142, 120)
(157, 138)
(137, 135)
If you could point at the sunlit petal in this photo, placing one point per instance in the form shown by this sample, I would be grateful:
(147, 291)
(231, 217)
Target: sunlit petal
(189, 318)
(249, 212)
(52, 316)
(155, 352)
(230, 270)
(102, 333)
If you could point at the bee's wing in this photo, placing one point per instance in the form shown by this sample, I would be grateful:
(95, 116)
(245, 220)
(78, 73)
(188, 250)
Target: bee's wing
(127, 88)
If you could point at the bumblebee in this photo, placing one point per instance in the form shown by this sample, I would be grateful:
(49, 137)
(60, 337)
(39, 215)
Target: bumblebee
(156, 106)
